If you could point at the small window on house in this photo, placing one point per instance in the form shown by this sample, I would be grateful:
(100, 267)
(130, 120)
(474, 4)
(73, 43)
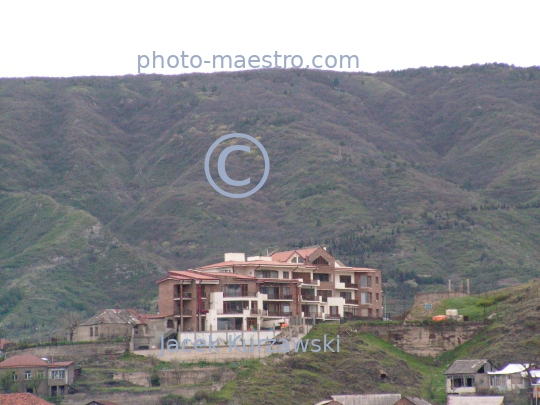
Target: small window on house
(469, 382)
(322, 310)
(334, 310)
(286, 274)
(377, 297)
(14, 377)
(377, 280)
(27, 375)
(40, 375)
(297, 259)
(170, 324)
(136, 329)
(96, 331)
(377, 313)
(91, 331)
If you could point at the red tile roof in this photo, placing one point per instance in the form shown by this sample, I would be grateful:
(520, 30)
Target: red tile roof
(190, 275)
(284, 256)
(270, 263)
(22, 399)
(102, 403)
(30, 360)
(23, 360)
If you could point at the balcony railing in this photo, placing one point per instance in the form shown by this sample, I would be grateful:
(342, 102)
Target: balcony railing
(228, 294)
(309, 297)
(262, 312)
(279, 313)
(230, 311)
(324, 299)
(185, 296)
(310, 282)
(351, 285)
(349, 301)
(333, 316)
(313, 314)
(279, 297)
(185, 312)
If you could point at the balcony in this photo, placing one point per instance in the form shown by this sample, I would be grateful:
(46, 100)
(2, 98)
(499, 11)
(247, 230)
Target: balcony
(309, 297)
(351, 285)
(313, 315)
(333, 316)
(184, 296)
(286, 297)
(230, 311)
(279, 313)
(260, 312)
(314, 283)
(185, 312)
(238, 294)
(349, 301)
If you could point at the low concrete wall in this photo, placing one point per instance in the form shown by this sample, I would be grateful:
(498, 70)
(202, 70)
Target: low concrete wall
(181, 377)
(77, 353)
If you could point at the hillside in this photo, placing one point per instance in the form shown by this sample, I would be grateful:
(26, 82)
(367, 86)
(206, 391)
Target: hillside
(418, 172)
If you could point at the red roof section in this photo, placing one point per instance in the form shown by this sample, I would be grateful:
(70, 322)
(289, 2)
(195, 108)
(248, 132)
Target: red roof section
(284, 256)
(22, 399)
(30, 360)
(253, 263)
(102, 403)
(190, 275)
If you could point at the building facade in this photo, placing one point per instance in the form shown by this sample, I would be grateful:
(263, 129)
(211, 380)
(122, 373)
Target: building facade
(260, 292)
(29, 373)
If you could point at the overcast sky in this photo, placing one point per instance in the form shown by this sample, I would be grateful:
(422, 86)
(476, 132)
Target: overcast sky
(53, 38)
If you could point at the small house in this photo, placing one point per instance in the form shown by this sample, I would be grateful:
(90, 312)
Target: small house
(468, 377)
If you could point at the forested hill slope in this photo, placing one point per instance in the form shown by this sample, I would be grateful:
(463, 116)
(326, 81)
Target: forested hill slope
(424, 172)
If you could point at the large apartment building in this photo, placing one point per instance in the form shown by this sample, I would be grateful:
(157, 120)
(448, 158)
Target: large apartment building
(243, 293)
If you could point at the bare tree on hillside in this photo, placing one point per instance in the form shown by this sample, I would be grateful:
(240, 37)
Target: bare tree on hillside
(70, 323)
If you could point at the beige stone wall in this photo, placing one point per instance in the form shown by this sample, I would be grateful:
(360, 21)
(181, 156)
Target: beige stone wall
(77, 352)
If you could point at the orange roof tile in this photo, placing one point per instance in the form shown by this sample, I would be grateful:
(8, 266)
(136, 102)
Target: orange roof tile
(284, 256)
(271, 263)
(102, 403)
(23, 360)
(22, 399)
(191, 275)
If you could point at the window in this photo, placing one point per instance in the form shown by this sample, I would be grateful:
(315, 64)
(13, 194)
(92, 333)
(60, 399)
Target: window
(365, 281)
(346, 295)
(14, 377)
(334, 310)
(345, 279)
(286, 275)
(266, 274)
(170, 324)
(320, 260)
(365, 298)
(297, 259)
(27, 375)
(377, 313)
(136, 329)
(58, 374)
(469, 382)
(377, 280)
(91, 331)
(40, 375)
(376, 296)
(321, 277)
(235, 290)
(322, 310)
(287, 292)
(95, 331)
(286, 309)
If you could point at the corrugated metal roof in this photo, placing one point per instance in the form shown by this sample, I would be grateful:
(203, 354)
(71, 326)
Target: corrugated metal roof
(466, 366)
(473, 400)
(418, 401)
(117, 316)
(372, 399)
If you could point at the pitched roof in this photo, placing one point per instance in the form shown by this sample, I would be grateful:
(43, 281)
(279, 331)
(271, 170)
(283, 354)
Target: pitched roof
(474, 400)
(22, 399)
(23, 360)
(31, 360)
(102, 403)
(466, 366)
(269, 263)
(284, 256)
(117, 316)
(417, 401)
